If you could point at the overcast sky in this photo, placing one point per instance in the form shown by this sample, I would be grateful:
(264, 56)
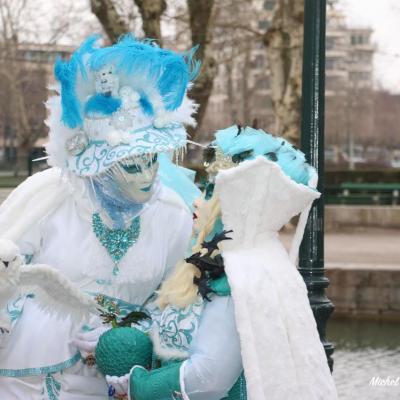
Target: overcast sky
(383, 16)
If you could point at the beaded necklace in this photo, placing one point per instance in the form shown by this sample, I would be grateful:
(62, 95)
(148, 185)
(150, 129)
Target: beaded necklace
(116, 241)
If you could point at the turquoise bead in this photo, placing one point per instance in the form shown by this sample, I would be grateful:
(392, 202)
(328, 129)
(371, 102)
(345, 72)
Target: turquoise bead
(116, 241)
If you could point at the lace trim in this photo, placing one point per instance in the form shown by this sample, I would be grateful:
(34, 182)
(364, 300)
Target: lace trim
(51, 369)
(53, 387)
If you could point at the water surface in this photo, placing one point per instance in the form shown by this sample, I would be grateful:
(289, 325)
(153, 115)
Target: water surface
(365, 349)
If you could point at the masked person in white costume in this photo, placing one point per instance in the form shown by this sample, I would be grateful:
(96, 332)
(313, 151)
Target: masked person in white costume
(102, 215)
(234, 321)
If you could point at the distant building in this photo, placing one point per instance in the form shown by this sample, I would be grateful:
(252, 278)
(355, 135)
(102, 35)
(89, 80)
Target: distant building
(28, 69)
(349, 55)
(349, 66)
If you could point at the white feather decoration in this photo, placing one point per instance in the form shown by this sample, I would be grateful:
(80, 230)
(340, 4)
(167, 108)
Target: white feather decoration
(53, 291)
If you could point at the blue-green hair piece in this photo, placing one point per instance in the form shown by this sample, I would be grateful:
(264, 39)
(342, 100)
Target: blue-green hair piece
(236, 140)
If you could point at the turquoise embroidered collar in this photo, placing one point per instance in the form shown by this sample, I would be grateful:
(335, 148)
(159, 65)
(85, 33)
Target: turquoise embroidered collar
(117, 242)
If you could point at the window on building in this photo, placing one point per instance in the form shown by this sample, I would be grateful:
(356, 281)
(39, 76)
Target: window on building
(28, 55)
(360, 76)
(358, 39)
(263, 83)
(330, 43)
(334, 83)
(259, 45)
(263, 25)
(269, 4)
(258, 62)
(330, 64)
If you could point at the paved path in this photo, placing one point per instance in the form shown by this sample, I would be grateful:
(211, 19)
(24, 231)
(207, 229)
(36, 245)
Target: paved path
(368, 249)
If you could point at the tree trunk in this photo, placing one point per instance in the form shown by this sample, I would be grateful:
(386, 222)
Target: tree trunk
(231, 93)
(107, 14)
(151, 12)
(284, 51)
(200, 17)
(246, 92)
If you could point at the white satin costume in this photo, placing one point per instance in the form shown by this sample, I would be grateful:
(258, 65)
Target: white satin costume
(114, 104)
(50, 220)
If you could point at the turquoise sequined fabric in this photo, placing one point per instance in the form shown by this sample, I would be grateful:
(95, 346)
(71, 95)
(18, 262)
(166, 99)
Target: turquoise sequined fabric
(238, 391)
(116, 241)
(119, 349)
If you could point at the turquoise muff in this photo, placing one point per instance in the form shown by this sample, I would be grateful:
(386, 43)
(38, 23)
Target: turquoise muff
(119, 349)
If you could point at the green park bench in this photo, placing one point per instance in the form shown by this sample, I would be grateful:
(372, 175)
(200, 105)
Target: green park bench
(363, 193)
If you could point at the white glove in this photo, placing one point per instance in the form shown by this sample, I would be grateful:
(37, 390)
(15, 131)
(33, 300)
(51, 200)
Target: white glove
(119, 383)
(86, 342)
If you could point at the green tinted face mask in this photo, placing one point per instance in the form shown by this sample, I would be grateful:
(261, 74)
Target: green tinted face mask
(135, 177)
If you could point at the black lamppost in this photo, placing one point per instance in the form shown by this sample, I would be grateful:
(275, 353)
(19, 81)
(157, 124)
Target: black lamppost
(311, 260)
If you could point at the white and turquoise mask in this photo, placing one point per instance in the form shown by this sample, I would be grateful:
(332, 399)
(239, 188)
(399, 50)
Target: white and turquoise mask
(123, 191)
(136, 176)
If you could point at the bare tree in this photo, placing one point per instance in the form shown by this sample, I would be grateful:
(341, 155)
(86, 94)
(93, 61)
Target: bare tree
(284, 49)
(200, 17)
(151, 12)
(233, 44)
(112, 22)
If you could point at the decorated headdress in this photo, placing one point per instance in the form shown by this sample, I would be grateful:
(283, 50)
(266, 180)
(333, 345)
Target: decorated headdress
(291, 172)
(117, 102)
(236, 144)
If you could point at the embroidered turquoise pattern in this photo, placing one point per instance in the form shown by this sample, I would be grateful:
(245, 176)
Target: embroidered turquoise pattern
(103, 282)
(178, 325)
(99, 155)
(15, 307)
(239, 390)
(28, 258)
(116, 241)
(53, 387)
(51, 369)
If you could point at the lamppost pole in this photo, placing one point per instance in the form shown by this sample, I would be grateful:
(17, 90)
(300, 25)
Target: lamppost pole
(311, 260)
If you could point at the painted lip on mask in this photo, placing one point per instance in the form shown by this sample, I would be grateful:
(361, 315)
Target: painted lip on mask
(146, 189)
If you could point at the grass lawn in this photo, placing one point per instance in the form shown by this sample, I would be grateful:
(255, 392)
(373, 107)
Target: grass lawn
(11, 181)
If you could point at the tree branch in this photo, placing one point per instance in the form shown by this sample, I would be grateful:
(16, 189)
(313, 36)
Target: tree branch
(107, 14)
(201, 21)
(151, 12)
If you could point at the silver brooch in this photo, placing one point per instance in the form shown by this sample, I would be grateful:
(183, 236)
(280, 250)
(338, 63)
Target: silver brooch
(76, 144)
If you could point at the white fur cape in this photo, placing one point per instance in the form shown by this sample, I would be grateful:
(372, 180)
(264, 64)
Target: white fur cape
(36, 197)
(282, 355)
